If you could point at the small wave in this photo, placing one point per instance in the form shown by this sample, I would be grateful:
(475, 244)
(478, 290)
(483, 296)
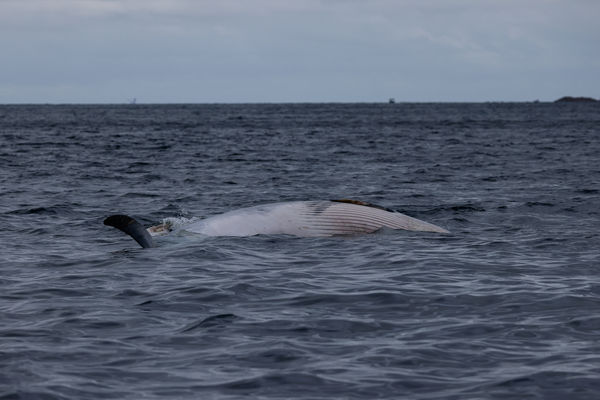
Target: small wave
(57, 209)
(208, 322)
(538, 204)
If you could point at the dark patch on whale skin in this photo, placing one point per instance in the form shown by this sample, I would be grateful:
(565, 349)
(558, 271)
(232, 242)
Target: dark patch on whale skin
(363, 203)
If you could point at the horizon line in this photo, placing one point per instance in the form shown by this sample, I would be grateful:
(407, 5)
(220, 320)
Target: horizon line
(389, 102)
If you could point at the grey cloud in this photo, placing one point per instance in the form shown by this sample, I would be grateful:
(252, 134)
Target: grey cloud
(268, 50)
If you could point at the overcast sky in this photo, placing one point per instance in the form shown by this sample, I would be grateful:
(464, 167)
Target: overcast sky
(109, 51)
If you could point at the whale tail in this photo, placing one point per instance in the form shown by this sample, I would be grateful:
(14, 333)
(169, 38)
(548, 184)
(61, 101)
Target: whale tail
(131, 227)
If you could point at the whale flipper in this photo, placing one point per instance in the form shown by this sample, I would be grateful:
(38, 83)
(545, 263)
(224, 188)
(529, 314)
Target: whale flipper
(131, 227)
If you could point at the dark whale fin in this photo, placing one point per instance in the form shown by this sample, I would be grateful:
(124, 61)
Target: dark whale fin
(131, 227)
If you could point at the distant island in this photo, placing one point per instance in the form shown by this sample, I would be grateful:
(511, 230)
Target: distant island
(569, 99)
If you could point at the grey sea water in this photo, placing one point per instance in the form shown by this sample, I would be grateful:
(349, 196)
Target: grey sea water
(506, 306)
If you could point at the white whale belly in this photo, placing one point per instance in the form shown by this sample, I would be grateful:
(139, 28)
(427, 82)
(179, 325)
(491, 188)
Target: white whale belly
(307, 218)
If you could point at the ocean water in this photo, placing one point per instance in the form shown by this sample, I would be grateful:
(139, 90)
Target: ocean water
(506, 306)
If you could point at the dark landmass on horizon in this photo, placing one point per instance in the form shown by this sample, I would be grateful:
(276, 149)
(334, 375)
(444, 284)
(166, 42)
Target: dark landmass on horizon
(570, 99)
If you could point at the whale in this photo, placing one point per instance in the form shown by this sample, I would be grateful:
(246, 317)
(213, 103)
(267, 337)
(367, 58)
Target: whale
(312, 218)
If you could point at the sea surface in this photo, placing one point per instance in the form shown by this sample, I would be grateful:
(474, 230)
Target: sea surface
(507, 306)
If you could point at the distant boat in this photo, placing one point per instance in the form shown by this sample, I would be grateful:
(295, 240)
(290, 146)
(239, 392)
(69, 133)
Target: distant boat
(391, 100)
(133, 101)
